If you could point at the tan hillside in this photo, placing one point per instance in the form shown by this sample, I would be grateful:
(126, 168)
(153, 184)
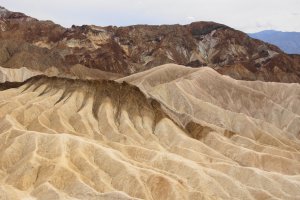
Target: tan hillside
(179, 133)
(75, 72)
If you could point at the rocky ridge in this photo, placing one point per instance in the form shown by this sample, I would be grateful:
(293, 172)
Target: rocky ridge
(27, 42)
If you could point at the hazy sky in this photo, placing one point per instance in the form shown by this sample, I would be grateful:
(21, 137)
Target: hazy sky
(245, 15)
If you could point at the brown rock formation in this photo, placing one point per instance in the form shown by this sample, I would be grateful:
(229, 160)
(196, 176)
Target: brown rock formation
(27, 42)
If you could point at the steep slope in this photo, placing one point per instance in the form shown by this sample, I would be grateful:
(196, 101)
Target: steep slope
(289, 42)
(16, 75)
(199, 91)
(180, 133)
(75, 72)
(38, 45)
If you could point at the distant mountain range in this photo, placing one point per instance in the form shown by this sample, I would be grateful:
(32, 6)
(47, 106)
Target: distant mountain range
(94, 51)
(287, 41)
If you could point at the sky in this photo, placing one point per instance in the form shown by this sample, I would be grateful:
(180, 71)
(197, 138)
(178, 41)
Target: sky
(245, 15)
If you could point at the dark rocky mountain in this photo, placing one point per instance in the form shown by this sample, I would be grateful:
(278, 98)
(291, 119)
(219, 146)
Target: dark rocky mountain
(289, 42)
(28, 42)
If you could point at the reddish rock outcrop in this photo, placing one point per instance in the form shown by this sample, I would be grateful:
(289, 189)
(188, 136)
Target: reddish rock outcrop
(27, 42)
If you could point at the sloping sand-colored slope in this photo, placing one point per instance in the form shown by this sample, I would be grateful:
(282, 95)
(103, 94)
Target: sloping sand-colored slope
(182, 133)
(74, 72)
(16, 75)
